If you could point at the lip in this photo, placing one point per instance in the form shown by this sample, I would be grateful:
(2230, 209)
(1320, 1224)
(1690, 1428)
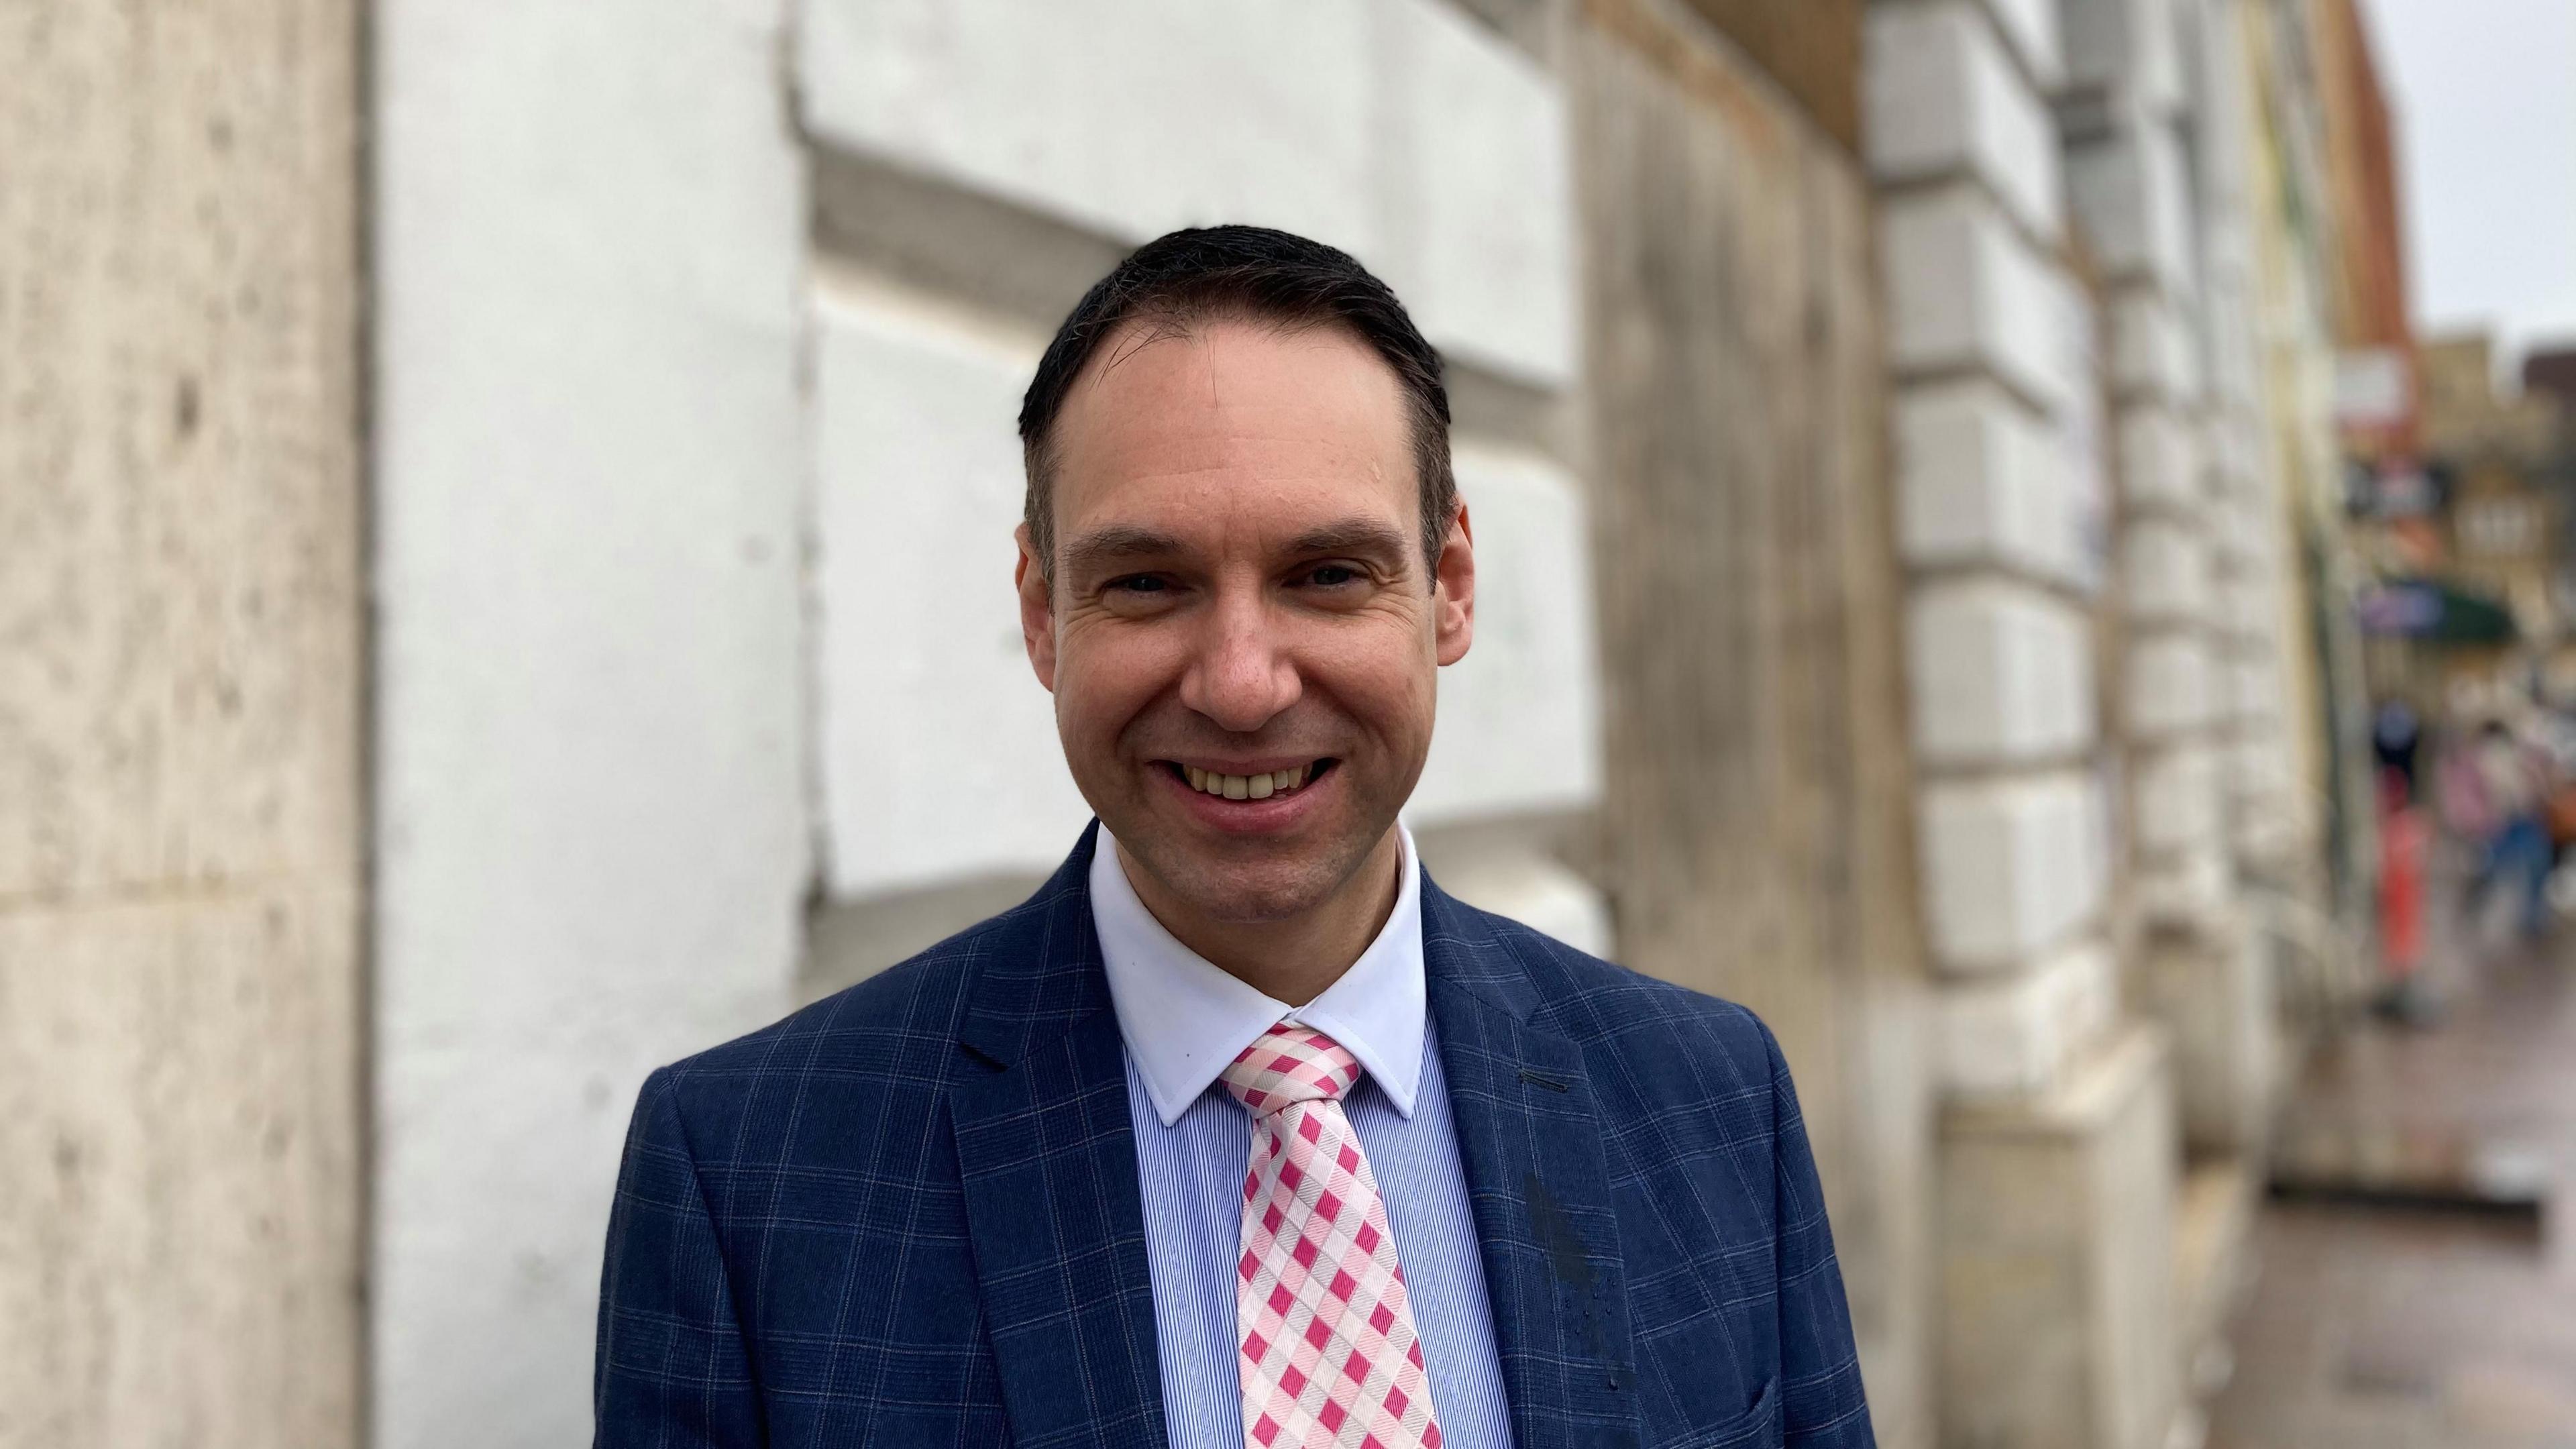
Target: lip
(1276, 815)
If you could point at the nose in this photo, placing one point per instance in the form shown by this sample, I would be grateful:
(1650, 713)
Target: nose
(1241, 676)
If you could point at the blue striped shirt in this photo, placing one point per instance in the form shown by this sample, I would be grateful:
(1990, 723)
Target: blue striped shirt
(1178, 1012)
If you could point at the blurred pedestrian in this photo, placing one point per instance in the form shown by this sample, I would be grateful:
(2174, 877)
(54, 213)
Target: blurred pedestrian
(2518, 855)
(2403, 840)
(2396, 738)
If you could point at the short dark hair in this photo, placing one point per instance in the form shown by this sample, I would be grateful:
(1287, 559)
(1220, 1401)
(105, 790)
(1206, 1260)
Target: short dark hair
(1183, 278)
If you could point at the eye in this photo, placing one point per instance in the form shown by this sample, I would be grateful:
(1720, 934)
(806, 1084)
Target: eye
(1140, 584)
(1332, 576)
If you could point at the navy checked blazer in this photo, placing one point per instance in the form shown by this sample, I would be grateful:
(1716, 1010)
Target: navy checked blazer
(909, 1215)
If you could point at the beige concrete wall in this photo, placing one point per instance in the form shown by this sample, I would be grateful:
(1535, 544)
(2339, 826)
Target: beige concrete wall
(180, 725)
(1757, 822)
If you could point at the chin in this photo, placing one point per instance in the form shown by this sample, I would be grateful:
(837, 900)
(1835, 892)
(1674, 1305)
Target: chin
(1249, 894)
(1276, 882)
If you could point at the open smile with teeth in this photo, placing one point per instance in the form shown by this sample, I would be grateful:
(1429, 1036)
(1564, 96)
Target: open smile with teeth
(1251, 787)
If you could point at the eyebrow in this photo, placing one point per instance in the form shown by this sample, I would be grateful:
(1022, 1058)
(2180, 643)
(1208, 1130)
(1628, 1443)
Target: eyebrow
(1119, 543)
(1352, 535)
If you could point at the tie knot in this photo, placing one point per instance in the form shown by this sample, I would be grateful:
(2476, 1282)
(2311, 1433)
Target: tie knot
(1290, 1064)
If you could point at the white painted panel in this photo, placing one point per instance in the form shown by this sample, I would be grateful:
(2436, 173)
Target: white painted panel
(2230, 302)
(1519, 723)
(2010, 866)
(2249, 602)
(2165, 568)
(2000, 672)
(590, 826)
(2160, 459)
(1395, 129)
(2032, 27)
(2132, 193)
(2176, 799)
(940, 758)
(2133, 45)
(1983, 480)
(2171, 684)
(1251, 112)
(2153, 351)
(2257, 771)
(2251, 685)
(1476, 195)
(1943, 96)
(2244, 526)
(2240, 448)
(1965, 290)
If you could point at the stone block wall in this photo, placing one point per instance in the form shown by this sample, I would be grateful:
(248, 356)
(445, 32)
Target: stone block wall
(2055, 1143)
(182, 665)
(2272, 729)
(2002, 504)
(2124, 118)
(2270, 284)
(2158, 154)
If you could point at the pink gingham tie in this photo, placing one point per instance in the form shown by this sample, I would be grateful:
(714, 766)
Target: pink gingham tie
(1328, 1352)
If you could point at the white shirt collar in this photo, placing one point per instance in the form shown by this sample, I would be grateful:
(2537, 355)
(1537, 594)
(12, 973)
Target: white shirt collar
(1185, 1019)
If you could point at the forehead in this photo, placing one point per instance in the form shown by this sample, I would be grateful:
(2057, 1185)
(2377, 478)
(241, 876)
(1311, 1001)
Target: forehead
(1227, 414)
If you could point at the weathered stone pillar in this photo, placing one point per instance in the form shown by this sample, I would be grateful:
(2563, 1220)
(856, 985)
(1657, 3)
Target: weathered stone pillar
(2128, 173)
(2153, 134)
(2154, 165)
(181, 635)
(2275, 343)
(2275, 719)
(2057, 1165)
(2046, 1201)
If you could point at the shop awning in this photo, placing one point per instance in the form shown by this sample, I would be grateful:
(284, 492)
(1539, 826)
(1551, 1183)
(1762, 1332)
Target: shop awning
(2432, 610)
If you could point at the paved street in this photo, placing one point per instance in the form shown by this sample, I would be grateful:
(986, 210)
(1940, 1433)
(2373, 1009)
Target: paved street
(2376, 1326)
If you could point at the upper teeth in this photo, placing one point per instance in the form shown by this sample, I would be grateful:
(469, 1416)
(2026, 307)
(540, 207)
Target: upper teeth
(1246, 787)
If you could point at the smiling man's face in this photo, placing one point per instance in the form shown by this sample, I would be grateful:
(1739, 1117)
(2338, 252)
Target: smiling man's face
(1241, 631)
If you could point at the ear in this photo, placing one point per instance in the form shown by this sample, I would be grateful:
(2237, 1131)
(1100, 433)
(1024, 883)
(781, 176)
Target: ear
(1037, 609)
(1453, 590)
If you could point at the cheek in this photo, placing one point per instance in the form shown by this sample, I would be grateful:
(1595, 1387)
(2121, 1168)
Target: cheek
(1390, 685)
(1107, 672)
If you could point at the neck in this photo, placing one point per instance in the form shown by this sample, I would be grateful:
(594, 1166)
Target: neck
(1295, 958)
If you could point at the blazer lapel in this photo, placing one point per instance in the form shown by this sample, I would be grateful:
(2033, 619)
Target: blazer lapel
(1048, 1160)
(1529, 1138)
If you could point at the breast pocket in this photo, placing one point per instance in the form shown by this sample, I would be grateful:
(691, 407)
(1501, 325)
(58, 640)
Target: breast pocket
(1757, 1425)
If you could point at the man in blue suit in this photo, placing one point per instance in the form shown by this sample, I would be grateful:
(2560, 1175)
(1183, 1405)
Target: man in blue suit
(1239, 1133)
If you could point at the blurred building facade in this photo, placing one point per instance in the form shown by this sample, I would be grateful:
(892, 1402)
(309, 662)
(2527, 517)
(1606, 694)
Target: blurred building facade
(2338, 165)
(1899, 434)
(2372, 318)
(2501, 522)
(2477, 565)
